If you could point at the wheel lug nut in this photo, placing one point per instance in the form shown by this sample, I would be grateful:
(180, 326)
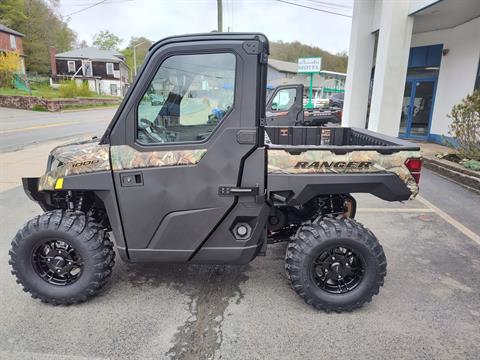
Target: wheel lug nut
(333, 257)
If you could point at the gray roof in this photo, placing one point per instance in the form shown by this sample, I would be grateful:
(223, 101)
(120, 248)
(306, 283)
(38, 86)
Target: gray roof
(92, 53)
(10, 31)
(283, 66)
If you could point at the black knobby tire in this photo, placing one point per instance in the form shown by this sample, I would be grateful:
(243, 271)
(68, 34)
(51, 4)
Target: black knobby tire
(314, 239)
(77, 231)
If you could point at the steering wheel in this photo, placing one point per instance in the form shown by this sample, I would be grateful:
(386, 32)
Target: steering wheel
(143, 124)
(150, 133)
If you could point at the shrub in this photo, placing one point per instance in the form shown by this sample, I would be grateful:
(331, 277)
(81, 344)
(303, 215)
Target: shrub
(465, 126)
(70, 89)
(9, 65)
(37, 107)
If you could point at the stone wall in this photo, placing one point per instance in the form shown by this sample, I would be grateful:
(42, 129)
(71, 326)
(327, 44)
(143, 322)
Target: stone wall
(32, 102)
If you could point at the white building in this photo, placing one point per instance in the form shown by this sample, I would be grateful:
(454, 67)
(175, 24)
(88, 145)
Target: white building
(325, 83)
(409, 62)
(105, 71)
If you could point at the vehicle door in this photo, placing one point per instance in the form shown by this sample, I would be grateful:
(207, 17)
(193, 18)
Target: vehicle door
(285, 106)
(180, 142)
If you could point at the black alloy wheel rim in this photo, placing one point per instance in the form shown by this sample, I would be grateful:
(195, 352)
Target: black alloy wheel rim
(338, 270)
(57, 262)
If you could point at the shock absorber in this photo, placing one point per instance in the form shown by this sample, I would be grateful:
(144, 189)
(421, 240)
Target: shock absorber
(69, 200)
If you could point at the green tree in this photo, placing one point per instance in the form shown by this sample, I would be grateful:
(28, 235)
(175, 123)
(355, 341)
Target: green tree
(292, 51)
(465, 126)
(42, 27)
(141, 47)
(106, 40)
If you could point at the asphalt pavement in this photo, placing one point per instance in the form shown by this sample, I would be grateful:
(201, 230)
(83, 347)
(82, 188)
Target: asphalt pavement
(429, 307)
(20, 128)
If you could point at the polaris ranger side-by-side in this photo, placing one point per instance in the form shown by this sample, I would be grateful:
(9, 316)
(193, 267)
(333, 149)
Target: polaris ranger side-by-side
(285, 108)
(175, 184)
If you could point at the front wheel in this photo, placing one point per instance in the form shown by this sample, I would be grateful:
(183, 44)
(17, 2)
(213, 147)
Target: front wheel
(62, 257)
(335, 264)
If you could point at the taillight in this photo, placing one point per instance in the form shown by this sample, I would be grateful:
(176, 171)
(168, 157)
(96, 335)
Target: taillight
(414, 166)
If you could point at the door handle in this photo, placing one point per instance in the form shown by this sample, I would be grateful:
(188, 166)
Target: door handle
(131, 179)
(237, 191)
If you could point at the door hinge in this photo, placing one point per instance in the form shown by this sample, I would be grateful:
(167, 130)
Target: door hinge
(263, 58)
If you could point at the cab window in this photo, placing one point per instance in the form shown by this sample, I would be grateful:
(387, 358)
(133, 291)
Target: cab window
(188, 97)
(284, 99)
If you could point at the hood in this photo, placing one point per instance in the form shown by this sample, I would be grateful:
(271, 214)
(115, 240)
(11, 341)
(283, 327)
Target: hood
(80, 151)
(75, 158)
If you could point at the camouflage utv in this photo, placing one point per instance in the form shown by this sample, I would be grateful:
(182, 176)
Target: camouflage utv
(198, 178)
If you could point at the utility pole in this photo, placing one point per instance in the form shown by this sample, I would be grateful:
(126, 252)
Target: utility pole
(219, 15)
(135, 57)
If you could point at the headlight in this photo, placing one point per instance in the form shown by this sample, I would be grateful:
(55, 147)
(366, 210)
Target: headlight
(53, 163)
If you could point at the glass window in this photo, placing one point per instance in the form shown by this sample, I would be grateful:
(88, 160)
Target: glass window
(13, 42)
(109, 68)
(87, 68)
(284, 99)
(187, 98)
(113, 89)
(71, 66)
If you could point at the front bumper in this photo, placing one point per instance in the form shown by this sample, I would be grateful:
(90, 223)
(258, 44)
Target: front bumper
(30, 186)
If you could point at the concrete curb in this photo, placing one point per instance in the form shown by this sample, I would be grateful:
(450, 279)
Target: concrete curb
(465, 177)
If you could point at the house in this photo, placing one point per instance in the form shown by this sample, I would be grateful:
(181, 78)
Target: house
(105, 71)
(325, 83)
(11, 40)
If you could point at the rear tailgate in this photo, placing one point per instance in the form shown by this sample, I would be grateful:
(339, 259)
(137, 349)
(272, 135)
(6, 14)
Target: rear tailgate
(355, 160)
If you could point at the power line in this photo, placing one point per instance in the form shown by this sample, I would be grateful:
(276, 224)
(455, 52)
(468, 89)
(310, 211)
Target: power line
(312, 8)
(86, 8)
(330, 4)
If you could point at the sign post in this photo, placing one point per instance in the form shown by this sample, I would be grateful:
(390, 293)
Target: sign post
(309, 66)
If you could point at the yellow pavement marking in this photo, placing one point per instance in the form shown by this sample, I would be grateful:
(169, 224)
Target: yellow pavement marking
(460, 227)
(39, 127)
(399, 210)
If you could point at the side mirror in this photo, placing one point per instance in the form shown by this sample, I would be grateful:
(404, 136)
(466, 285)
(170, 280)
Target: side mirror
(274, 106)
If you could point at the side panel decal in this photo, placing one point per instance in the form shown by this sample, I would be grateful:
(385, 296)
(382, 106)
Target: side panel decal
(125, 157)
(324, 161)
(91, 157)
(74, 160)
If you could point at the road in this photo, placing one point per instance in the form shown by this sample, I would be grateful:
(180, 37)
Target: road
(429, 307)
(20, 128)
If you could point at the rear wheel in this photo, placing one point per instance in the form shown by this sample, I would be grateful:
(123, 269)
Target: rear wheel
(62, 257)
(335, 264)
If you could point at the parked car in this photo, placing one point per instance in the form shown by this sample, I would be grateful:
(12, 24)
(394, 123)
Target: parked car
(336, 100)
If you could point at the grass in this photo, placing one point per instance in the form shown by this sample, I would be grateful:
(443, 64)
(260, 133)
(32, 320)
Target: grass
(39, 90)
(92, 106)
(44, 90)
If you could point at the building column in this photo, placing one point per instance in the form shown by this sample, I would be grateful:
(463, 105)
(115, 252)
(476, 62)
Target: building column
(390, 67)
(360, 59)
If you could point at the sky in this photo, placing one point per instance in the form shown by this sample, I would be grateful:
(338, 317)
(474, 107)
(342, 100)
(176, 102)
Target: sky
(156, 19)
